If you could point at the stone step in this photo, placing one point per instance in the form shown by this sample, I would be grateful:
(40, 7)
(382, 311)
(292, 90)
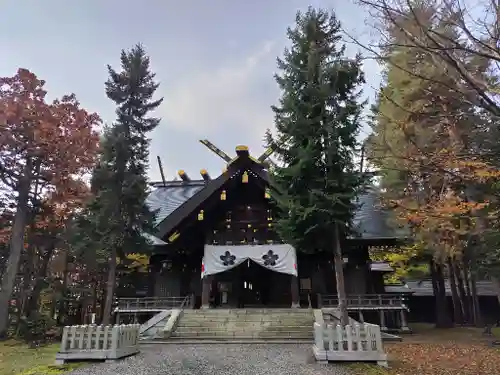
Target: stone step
(248, 317)
(226, 340)
(247, 321)
(254, 335)
(250, 311)
(181, 329)
(183, 323)
(240, 313)
(242, 324)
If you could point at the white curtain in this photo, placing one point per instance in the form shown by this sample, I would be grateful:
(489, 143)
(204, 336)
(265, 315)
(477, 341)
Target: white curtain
(279, 258)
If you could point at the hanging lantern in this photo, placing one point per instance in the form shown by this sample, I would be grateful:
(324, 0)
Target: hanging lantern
(223, 195)
(244, 177)
(269, 218)
(249, 225)
(200, 215)
(267, 193)
(269, 225)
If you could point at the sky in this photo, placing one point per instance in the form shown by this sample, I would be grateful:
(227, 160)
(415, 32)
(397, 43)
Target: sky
(215, 62)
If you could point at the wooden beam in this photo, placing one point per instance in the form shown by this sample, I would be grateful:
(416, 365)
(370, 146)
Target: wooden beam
(161, 170)
(216, 150)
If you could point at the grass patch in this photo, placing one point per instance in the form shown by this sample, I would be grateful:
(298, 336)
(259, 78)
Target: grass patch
(16, 358)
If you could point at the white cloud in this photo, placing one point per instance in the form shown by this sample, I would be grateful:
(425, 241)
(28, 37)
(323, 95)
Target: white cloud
(207, 101)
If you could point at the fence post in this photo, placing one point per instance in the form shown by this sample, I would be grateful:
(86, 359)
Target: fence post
(319, 338)
(114, 342)
(64, 342)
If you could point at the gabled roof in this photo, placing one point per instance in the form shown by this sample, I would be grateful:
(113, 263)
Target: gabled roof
(176, 200)
(166, 199)
(186, 196)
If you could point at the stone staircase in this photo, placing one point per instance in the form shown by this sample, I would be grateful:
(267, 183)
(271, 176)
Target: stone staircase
(245, 325)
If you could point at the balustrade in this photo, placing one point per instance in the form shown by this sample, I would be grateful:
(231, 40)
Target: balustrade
(366, 301)
(150, 304)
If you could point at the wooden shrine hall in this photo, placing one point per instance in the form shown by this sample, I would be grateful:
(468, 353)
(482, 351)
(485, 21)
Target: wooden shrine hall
(215, 243)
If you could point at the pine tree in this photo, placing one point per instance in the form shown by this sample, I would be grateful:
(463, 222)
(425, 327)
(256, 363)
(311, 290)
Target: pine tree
(317, 121)
(118, 216)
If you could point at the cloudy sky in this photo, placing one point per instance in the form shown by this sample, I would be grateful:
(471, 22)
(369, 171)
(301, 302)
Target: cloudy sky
(214, 59)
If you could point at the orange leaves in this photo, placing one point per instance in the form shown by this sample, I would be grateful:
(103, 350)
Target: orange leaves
(60, 136)
(48, 145)
(446, 358)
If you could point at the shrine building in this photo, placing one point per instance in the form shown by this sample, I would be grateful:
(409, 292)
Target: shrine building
(215, 242)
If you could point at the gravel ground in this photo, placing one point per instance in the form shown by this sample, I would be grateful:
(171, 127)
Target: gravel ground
(221, 359)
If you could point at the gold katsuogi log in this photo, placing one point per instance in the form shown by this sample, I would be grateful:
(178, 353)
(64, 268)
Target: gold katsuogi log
(183, 175)
(205, 175)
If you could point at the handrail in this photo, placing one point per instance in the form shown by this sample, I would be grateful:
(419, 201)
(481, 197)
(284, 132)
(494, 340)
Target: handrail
(184, 301)
(150, 303)
(365, 300)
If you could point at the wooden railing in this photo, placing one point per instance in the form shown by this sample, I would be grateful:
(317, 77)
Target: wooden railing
(151, 304)
(364, 301)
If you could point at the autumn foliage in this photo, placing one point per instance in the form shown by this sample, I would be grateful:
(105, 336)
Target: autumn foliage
(57, 138)
(51, 145)
(46, 149)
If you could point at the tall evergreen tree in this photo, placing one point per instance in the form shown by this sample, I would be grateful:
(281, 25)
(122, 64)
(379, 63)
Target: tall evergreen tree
(317, 121)
(118, 216)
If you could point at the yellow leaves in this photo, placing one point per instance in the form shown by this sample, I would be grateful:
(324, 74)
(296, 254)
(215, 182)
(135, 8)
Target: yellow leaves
(135, 261)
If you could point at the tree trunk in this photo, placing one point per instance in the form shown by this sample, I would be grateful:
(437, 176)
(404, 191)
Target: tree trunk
(457, 306)
(478, 321)
(461, 290)
(442, 317)
(33, 302)
(110, 288)
(470, 300)
(339, 276)
(16, 246)
(61, 313)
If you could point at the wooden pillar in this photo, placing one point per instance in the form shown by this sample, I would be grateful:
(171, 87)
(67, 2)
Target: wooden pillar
(404, 323)
(383, 326)
(294, 288)
(206, 283)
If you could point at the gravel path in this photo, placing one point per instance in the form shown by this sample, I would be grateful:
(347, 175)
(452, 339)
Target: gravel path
(222, 359)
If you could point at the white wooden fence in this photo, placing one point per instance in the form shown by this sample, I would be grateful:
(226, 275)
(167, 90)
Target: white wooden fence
(353, 343)
(98, 342)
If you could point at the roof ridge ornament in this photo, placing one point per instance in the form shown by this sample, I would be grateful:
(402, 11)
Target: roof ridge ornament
(241, 150)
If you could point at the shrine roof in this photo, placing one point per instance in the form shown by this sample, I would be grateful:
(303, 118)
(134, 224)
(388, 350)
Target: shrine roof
(165, 199)
(370, 221)
(423, 288)
(175, 200)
